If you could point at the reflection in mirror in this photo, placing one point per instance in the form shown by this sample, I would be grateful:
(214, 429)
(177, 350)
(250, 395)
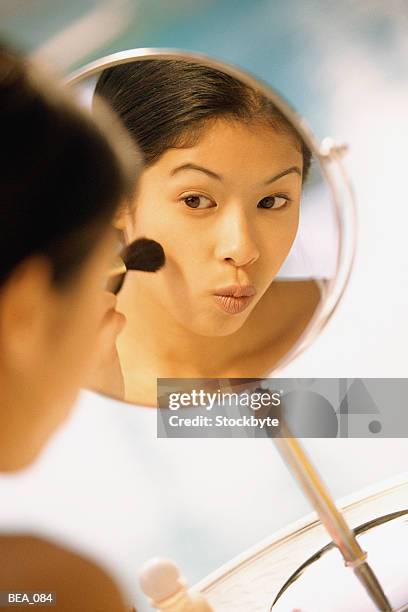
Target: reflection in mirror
(244, 214)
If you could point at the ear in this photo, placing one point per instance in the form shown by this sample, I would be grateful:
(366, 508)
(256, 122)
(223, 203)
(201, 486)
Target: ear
(123, 216)
(123, 221)
(119, 220)
(26, 306)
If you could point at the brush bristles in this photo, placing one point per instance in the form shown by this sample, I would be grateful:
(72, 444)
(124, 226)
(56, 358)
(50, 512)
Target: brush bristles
(144, 254)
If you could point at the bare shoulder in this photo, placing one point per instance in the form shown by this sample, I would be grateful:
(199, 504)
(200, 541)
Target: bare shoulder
(278, 321)
(294, 298)
(32, 564)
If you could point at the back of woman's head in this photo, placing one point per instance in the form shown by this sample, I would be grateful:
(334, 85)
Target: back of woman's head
(62, 176)
(166, 103)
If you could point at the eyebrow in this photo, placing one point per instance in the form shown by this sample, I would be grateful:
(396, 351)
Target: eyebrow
(216, 176)
(195, 167)
(295, 169)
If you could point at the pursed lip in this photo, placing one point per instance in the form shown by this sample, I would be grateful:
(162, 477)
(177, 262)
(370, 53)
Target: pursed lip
(236, 291)
(235, 298)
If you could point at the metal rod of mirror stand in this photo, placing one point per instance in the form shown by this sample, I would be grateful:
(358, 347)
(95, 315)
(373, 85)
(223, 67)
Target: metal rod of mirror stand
(341, 534)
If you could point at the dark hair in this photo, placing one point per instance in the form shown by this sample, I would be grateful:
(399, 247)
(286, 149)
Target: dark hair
(61, 176)
(165, 103)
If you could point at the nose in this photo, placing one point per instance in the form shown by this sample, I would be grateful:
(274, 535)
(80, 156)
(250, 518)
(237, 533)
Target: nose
(236, 243)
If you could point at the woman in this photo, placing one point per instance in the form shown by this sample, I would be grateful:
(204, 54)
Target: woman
(62, 180)
(221, 191)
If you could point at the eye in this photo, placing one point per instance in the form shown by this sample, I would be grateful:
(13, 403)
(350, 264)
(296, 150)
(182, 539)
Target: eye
(198, 201)
(273, 202)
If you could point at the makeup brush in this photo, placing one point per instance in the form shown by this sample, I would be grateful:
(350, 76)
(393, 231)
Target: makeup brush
(143, 254)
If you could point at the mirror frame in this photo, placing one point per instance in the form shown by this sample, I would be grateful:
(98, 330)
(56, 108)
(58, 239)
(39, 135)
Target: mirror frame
(327, 153)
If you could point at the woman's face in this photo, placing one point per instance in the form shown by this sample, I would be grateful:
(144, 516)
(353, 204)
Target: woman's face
(226, 211)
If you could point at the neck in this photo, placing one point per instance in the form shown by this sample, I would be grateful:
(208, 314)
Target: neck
(21, 426)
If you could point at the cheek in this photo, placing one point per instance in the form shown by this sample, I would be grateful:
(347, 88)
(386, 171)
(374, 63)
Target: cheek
(186, 245)
(278, 239)
(289, 232)
(81, 334)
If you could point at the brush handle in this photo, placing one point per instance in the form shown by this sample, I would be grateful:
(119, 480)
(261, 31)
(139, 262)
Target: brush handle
(115, 284)
(341, 534)
(161, 581)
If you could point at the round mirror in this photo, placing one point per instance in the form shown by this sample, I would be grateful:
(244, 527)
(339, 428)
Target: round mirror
(254, 215)
(325, 573)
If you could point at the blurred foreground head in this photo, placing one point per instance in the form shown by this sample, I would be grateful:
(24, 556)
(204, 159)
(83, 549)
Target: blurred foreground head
(62, 179)
(33, 564)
